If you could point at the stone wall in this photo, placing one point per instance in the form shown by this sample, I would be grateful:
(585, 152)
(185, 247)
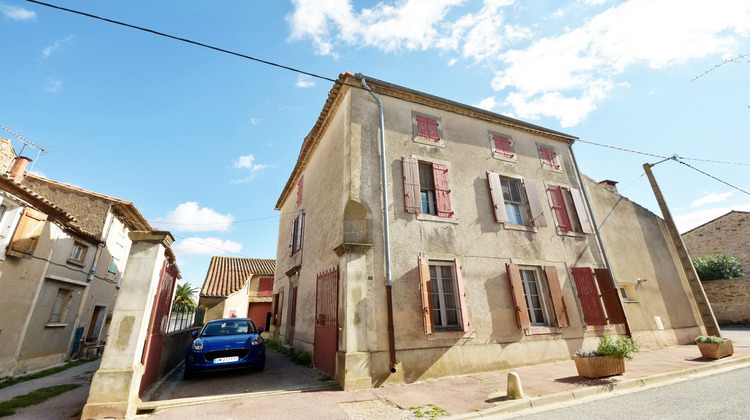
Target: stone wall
(7, 154)
(728, 234)
(730, 299)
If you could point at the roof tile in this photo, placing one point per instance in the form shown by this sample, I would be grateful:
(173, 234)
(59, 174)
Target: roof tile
(227, 275)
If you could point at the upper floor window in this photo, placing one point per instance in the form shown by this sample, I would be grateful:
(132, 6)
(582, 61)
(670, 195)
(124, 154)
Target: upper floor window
(427, 129)
(515, 201)
(426, 187)
(549, 158)
(502, 147)
(78, 253)
(27, 234)
(569, 209)
(60, 306)
(299, 190)
(443, 300)
(297, 230)
(112, 269)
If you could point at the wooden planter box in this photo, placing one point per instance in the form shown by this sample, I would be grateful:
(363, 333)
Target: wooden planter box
(599, 367)
(716, 350)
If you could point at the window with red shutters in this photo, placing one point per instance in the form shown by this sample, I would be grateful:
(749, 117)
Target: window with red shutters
(502, 146)
(569, 209)
(442, 191)
(588, 295)
(426, 188)
(427, 128)
(561, 211)
(299, 190)
(265, 286)
(549, 158)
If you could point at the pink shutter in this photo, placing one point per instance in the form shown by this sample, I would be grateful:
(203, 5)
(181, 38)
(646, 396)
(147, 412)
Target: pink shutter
(496, 193)
(549, 157)
(537, 214)
(428, 128)
(461, 295)
(519, 297)
(442, 191)
(425, 289)
(558, 204)
(588, 295)
(299, 190)
(583, 217)
(502, 146)
(412, 199)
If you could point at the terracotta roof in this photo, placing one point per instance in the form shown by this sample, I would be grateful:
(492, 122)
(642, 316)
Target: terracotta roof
(227, 275)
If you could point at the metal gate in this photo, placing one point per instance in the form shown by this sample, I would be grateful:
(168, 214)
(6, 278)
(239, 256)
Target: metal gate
(326, 321)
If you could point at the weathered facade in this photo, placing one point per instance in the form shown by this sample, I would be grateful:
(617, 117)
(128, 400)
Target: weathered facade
(494, 259)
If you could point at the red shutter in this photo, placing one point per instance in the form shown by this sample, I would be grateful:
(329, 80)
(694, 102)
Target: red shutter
(428, 128)
(425, 289)
(412, 199)
(442, 191)
(28, 231)
(583, 217)
(496, 193)
(593, 314)
(265, 286)
(299, 190)
(502, 146)
(519, 297)
(461, 295)
(558, 203)
(537, 214)
(549, 157)
(555, 292)
(611, 300)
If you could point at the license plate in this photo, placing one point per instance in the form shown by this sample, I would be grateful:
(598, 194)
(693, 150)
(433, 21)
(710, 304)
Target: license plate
(226, 359)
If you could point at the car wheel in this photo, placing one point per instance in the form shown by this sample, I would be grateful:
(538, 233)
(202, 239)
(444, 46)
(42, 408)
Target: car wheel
(186, 374)
(261, 365)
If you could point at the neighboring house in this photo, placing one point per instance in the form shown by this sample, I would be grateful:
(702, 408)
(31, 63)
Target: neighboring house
(728, 234)
(238, 287)
(494, 255)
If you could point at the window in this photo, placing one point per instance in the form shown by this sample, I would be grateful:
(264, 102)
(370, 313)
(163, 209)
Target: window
(627, 293)
(60, 306)
(443, 303)
(299, 190)
(78, 252)
(515, 201)
(537, 296)
(428, 128)
(502, 147)
(591, 299)
(265, 286)
(298, 226)
(549, 158)
(112, 270)
(27, 234)
(569, 209)
(426, 187)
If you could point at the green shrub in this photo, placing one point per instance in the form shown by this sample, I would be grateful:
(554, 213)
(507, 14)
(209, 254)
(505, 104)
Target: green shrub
(618, 347)
(302, 358)
(708, 339)
(717, 267)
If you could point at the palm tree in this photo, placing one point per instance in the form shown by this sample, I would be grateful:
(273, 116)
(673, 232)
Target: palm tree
(183, 298)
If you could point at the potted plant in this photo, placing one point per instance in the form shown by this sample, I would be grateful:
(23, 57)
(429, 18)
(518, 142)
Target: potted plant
(608, 359)
(713, 347)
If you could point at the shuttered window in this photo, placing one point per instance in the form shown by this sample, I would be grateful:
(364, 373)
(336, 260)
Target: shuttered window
(427, 128)
(561, 210)
(298, 227)
(555, 291)
(426, 188)
(536, 301)
(60, 306)
(27, 233)
(515, 201)
(615, 313)
(299, 190)
(569, 209)
(443, 303)
(588, 295)
(265, 286)
(549, 158)
(502, 146)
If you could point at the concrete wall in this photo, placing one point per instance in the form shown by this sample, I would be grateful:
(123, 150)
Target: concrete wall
(728, 234)
(173, 352)
(729, 299)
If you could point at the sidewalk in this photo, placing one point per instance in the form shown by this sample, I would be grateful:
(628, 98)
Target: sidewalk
(470, 396)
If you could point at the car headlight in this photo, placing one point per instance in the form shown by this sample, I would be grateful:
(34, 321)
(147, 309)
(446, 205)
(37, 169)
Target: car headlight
(198, 345)
(257, 340)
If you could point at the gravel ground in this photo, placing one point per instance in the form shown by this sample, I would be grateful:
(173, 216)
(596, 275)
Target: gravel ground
(376, 409)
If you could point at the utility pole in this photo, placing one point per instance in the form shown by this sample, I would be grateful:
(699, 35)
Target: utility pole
(704, 307)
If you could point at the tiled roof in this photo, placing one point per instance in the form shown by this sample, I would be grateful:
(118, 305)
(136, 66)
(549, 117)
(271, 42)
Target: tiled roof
(227, 275)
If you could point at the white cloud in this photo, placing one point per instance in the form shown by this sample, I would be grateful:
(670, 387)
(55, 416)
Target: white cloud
(692, 220)
(16, 13)
(248, 161)
(487, 103)
(244, 161)
(711, 198)
(190, 217)
(254, 121)
(54, 84)
(205, 246)
(46, 52)
(304, 81)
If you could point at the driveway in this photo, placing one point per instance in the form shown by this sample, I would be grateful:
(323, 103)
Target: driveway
(280, 374)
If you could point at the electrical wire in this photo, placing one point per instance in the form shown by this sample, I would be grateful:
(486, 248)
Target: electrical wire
(711, 176)
(73, 269)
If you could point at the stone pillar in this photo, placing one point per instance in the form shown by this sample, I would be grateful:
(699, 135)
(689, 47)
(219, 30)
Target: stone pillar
(114, 388)
(353, 358)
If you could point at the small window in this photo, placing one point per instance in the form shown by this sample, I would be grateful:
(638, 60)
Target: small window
(60, 306)
(298, 226)
(112, 270)
(78, 252)
(427, 129)
(627, 292)
(549, 158)
(427, 188)
(502, 147)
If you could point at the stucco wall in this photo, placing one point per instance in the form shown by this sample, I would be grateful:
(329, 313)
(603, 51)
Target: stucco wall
(729, 299)
(728, 234)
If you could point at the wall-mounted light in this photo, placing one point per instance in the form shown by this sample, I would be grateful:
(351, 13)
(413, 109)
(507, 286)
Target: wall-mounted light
(642, 280)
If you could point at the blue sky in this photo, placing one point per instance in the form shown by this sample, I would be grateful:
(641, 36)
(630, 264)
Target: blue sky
(203, 142)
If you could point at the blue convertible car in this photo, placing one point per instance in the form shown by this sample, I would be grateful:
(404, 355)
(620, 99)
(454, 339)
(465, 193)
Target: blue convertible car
(231, 343)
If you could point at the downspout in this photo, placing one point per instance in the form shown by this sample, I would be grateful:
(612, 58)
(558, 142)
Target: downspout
(599, 237)
(386, 229)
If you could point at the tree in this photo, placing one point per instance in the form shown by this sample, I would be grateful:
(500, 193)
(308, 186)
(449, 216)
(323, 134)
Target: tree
(183, 298)
(717, 267)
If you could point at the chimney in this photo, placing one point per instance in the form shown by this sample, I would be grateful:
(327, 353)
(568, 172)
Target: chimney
(18, 170)
(610, 185)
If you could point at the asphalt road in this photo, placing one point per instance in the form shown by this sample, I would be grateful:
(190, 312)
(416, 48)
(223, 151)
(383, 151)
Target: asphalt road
(719, 396)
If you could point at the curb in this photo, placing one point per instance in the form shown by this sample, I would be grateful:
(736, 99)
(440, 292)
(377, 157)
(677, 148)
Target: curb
(582, 393)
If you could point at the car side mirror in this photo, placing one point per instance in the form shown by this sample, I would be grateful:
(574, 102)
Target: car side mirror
(260, 330)
(195, 334)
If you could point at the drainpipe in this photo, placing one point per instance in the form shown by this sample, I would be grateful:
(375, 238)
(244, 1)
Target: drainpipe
(599, 237)
(386, 229)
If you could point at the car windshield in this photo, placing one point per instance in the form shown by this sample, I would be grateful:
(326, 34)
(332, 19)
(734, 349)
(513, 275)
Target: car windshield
(228, 328)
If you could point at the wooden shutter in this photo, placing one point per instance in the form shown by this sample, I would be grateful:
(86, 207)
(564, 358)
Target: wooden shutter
(275, 310)
(593, 314)
(537, 214)
(265, 286)
(549, 156)
(519, 297)
(558, 204)
(461, 295)
(299, 190)
(612, 302)
(555, 292)
(502, 146)
(496, 193)
(412, 199)
(425, 289)
(27, 233)
(428, 128)
(583, 217)
(280, 309)
(442, 191)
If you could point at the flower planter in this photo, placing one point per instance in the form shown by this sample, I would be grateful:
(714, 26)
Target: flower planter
(599, 367)
(716, 350)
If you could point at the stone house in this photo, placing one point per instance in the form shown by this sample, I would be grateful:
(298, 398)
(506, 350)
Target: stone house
(238, 287)
(492, 257)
